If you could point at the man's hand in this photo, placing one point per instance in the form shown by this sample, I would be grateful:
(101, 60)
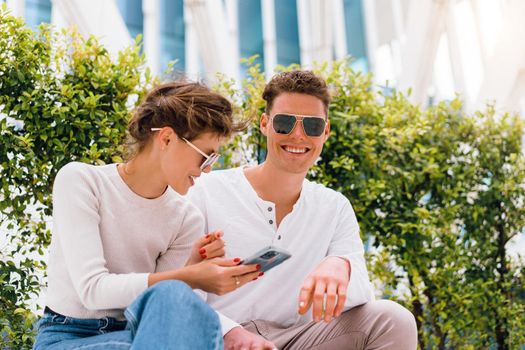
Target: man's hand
(207, 247)
(330, 279)
(239, 338)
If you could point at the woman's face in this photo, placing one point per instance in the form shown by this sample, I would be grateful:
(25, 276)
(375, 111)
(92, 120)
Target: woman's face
(181, 163)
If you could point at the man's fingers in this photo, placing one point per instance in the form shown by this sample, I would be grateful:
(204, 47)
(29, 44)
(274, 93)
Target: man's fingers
(331, 298)
(341, 298)
(305, 296)
(269, 346)
(318, 300)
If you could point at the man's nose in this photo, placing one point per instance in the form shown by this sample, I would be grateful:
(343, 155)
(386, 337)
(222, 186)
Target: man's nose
(298, 131)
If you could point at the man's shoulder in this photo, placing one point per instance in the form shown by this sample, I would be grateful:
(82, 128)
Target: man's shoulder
(322, 192)
(223, 176)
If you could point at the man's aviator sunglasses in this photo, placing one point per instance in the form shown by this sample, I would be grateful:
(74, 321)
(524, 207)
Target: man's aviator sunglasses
(209, 160)
(285, 123)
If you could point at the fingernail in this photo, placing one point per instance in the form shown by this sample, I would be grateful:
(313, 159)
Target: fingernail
(202, 251)
(236, 260)
(328, 319)
(255, 278)
(208, 235)
(316, 319)
(204, 256)
(301, 304)
(261, 273)
(257, 267)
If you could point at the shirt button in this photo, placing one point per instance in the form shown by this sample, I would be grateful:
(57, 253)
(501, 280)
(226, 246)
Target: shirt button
(269, 208)
(271, 222)
(279, 237)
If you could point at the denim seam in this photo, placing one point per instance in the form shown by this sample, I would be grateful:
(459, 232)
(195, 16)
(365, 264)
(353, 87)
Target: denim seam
(132, 320)
(106, 343)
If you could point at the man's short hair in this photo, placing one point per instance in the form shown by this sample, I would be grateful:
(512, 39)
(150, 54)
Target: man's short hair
(296, 81)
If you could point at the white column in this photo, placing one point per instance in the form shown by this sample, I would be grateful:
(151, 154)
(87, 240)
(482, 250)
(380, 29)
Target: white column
(233, 32)
(192, 47)
(370, 19)
(215, 46)
(426, 21)
(269, 38)
(507, 62)
(456, 60)
(315, 30)
(100, 18)
(17, 7)
(339, 29)
(151, 13)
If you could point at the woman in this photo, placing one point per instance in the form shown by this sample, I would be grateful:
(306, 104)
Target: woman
(122, 235)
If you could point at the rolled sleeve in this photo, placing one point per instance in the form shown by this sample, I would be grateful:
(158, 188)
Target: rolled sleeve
(347, 244)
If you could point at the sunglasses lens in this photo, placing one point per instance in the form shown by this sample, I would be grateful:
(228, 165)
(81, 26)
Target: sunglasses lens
(283, 124)
(210, 161)
(313, 126)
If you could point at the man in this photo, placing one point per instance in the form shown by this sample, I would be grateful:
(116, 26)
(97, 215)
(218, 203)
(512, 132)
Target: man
(321, 298)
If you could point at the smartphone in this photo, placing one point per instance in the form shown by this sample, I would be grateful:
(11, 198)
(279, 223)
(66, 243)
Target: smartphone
(268, 258)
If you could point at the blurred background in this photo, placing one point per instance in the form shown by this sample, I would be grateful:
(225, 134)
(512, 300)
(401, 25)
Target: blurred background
(436, 47)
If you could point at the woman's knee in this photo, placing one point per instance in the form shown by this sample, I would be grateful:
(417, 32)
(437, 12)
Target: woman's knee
(177, 295)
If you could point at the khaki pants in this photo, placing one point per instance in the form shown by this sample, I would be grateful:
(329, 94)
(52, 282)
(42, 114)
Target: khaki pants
(380, 324)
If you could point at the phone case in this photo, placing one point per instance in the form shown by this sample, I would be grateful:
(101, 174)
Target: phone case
(268, 258)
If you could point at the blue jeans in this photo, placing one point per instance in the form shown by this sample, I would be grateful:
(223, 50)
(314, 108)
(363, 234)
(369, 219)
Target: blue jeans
(169, 315)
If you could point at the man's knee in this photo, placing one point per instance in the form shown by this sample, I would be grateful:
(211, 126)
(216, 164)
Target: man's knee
(388, 325)
(397, 315)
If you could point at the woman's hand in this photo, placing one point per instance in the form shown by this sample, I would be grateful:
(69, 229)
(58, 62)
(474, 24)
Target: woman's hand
(220, 275)
(207, 247)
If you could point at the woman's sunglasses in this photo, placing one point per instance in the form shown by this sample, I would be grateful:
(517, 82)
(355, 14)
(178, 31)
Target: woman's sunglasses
(313, 126)
(209, 160)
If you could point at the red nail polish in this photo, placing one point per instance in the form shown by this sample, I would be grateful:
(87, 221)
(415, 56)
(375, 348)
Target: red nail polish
(202, 251)
(207, 236)
(258, 266)
(204, 256)
(236, 260)
(261, 273)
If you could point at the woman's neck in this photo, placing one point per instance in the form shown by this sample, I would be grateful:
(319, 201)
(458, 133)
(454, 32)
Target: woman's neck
(143, 176)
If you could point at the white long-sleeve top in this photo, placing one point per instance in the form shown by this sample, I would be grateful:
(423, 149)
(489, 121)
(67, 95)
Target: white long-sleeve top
(321, 224)
(107, 239)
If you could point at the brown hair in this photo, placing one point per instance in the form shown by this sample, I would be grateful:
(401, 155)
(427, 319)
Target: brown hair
(296, 81)
(190, 108)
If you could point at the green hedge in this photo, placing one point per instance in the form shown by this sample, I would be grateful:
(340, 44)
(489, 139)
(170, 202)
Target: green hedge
(437, 192)
(63, 99)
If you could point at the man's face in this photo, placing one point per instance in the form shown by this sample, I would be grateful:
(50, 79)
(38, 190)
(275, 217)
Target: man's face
(295, 152)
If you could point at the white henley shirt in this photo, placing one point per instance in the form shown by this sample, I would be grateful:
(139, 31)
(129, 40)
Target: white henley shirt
(322, 223)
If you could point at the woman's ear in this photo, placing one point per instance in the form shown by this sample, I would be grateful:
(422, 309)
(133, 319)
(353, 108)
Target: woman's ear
(166, 135)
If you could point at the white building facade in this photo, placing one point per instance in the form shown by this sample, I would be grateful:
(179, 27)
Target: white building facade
(434, 47)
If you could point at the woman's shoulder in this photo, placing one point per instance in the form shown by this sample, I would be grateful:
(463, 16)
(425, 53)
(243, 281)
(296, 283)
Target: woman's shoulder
(78, 172)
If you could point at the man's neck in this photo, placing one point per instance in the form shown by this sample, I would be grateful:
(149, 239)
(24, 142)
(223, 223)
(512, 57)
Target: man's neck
(275, 185)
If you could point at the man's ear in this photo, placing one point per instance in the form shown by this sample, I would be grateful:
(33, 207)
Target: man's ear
(326, 130)
(264, 123)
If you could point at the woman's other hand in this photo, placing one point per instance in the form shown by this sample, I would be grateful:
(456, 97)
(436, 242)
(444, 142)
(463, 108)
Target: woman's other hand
(207, 247)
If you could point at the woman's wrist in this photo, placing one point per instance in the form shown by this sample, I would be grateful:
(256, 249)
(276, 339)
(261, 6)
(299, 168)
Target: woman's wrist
(183, 274)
